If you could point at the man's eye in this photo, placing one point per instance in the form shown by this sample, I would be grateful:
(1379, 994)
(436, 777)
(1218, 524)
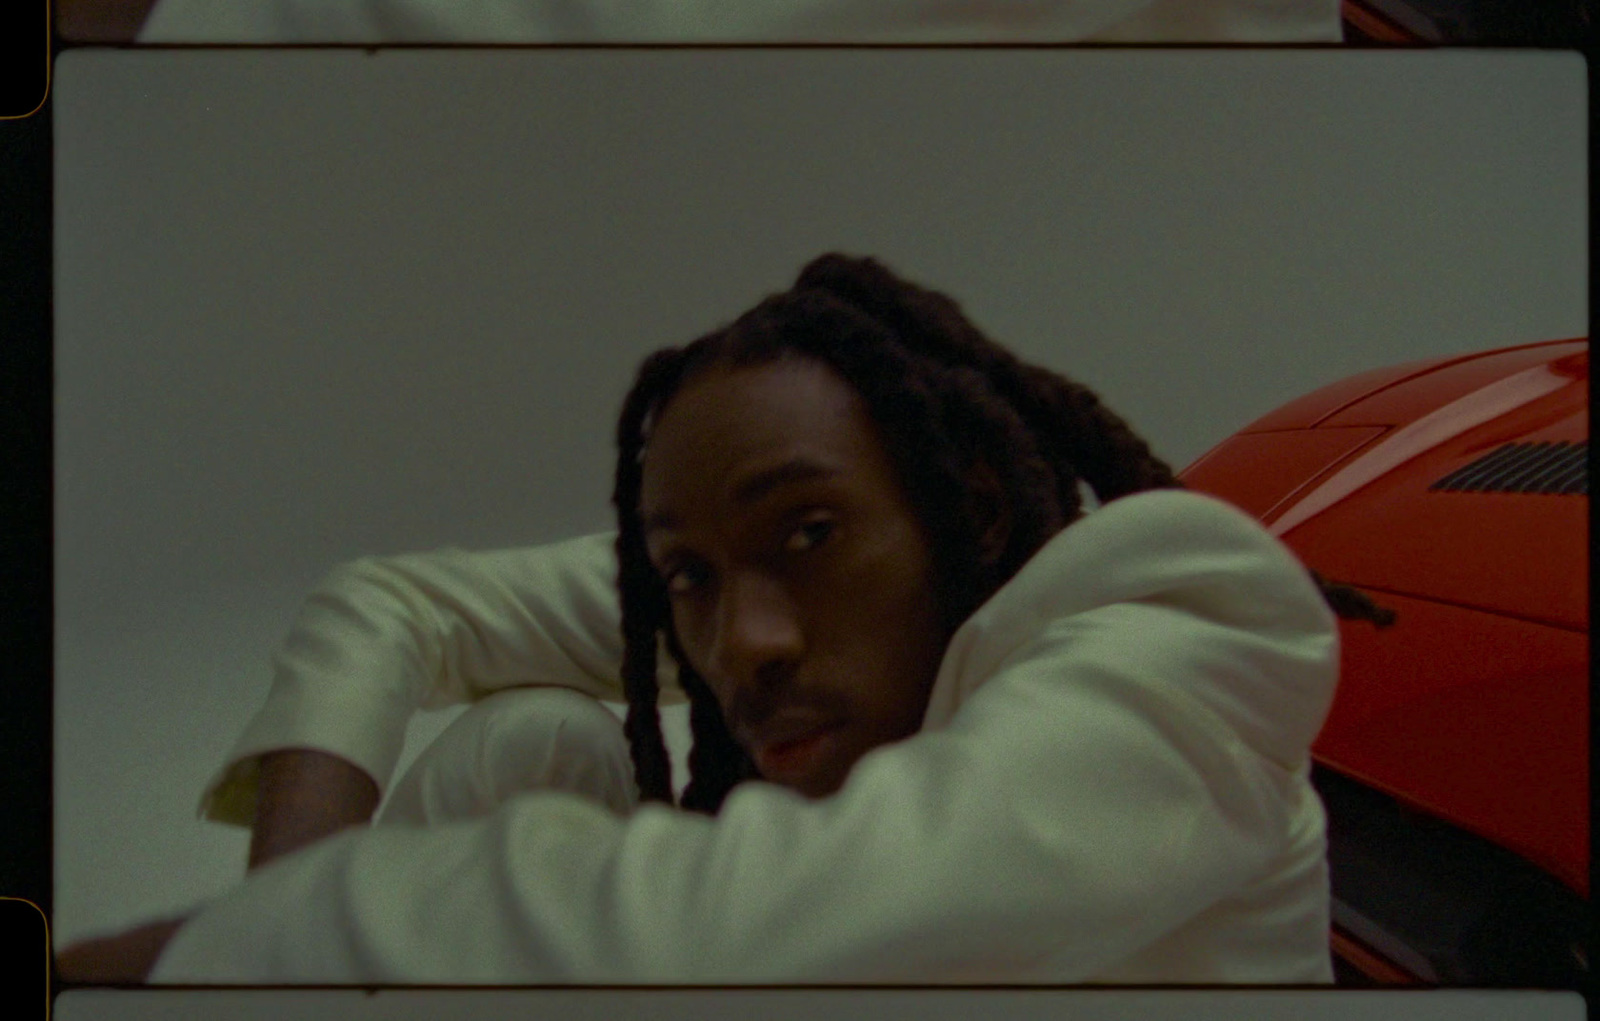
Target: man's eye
(809, 535)
(684, 580)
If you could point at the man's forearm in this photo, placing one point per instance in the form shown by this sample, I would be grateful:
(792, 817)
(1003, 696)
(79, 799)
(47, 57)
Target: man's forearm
(123, 959)
(303, 796)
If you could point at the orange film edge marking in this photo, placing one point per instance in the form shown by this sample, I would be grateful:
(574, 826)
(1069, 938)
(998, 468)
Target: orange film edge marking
(1373, 25)
(1369, 963)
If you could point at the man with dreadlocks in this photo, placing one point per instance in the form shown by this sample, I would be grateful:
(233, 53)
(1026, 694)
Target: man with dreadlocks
(947, 727)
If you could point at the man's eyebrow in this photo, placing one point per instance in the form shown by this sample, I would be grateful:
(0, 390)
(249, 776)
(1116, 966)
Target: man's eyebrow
(798, 469)
(790, 472)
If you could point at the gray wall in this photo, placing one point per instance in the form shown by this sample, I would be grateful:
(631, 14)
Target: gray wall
(312, 305)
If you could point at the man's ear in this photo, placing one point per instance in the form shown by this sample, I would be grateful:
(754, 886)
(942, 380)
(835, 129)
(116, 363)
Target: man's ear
(992, 508)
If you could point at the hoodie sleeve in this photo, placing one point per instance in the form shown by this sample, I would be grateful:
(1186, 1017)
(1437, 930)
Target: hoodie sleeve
(1100, 789)
(382, 637)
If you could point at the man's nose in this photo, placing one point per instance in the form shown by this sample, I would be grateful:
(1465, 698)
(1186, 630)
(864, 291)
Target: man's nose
(758, 636)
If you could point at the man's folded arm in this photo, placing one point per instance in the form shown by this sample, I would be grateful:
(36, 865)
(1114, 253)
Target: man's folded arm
(380, 638)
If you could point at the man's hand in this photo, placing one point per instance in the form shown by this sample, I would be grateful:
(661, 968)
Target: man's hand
(125, 958)
(303, 796)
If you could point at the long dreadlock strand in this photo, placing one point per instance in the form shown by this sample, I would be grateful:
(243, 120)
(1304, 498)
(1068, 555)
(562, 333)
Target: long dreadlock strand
(717, 763)
(1081, 437)
(1352, 604)
(643, 601)
(1076, 430)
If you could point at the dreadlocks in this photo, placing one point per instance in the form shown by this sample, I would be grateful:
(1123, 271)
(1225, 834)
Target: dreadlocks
(990, 450)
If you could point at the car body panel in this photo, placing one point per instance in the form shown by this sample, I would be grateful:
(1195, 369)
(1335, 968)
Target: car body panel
(1453, 491)
(1470, 722)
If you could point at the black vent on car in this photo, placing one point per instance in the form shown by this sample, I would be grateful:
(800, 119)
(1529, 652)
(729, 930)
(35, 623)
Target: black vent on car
(1524, 468)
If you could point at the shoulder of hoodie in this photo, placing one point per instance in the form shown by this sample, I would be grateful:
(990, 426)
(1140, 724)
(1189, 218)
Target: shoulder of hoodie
(1171, 546)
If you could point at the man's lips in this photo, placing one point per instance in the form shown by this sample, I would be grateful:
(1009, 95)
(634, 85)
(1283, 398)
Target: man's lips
(793, 754)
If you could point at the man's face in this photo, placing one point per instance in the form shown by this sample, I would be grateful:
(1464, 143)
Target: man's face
(800, 580)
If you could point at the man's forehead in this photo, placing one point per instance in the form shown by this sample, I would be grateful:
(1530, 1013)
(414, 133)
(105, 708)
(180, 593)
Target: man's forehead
(742, 487)
(734, 417)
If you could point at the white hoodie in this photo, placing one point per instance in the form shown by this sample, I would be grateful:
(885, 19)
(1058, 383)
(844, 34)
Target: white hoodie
(1111, 785)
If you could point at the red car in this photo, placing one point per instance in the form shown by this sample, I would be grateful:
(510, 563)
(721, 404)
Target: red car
(1455, 761)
